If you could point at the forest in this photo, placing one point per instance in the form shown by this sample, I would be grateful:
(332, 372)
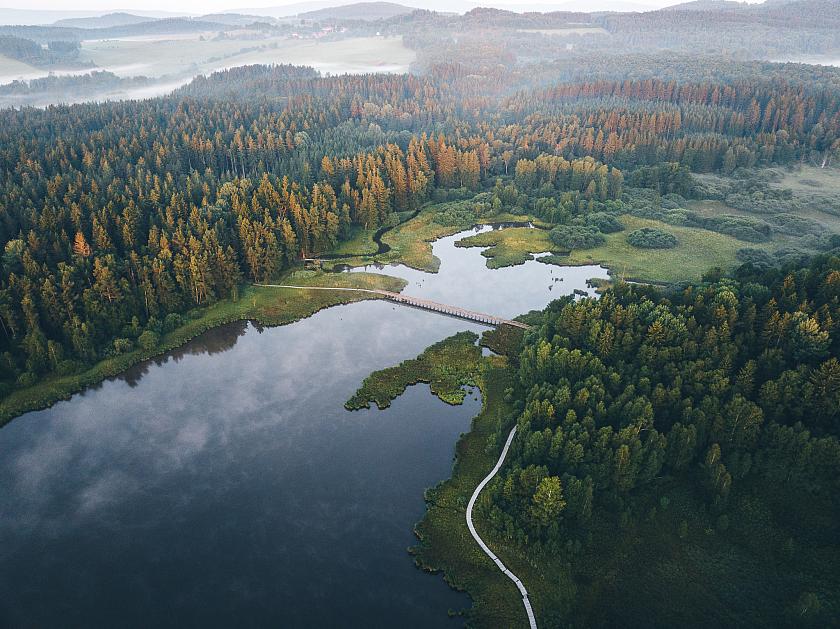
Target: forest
(693, 431)
(117, 218)
(678, 434)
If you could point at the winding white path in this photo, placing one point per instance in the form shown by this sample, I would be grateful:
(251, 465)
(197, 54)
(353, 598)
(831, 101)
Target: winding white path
(531, 620)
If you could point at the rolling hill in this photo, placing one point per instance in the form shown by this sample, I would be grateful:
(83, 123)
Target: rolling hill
(359, 11)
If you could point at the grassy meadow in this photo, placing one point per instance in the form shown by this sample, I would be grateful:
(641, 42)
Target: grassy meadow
(447, 367)
(698, 251)
(509, 246)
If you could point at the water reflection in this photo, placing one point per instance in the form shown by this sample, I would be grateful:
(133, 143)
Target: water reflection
(214, 341)
(224, 484)
(464, 280)
(233, 488)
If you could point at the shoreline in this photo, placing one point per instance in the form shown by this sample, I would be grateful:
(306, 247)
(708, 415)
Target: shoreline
(58, 388)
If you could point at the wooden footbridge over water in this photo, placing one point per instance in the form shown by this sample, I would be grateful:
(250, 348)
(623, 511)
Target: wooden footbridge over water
(416, 302)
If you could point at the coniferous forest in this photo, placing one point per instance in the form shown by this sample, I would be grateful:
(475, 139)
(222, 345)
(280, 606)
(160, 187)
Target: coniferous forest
(676, 460)
(119, 217)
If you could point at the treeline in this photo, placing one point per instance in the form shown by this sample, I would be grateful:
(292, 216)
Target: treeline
(116, 218)
(28, 51)
(707, 127)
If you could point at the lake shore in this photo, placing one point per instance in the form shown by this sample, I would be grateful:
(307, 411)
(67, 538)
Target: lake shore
(267, 306)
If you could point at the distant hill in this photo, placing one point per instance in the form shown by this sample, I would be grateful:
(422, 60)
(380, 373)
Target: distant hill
(102, 21)
(233, 19)
(164, 26)
(44, 17)
(359, 11)
(585, 6)
(707, 5)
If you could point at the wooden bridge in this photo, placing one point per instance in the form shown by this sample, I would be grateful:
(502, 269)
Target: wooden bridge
(416, 302)
(454, 311)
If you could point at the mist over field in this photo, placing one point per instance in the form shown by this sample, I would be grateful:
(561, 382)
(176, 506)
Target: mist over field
(65, 57)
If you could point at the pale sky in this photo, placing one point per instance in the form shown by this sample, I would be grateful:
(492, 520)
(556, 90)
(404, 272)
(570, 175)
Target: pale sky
(209, 6)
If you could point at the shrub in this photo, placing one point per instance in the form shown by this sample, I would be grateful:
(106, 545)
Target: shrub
(148, 340)
(673, 201)
(576, 236)
(123, 346)
(757, 257)
(67, 367)
(172, 321)
(606, 223)
(740, 227)
(27, 379)
(651, 238)
(458, 213)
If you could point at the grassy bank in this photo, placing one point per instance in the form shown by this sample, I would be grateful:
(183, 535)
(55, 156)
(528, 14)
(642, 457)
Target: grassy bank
(359, 243)
(509, 247)
(269, 306)
(411, 241)
(445, 542)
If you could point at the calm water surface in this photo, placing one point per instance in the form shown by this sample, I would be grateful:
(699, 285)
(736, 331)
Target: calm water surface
(225, 485)
(464, 280)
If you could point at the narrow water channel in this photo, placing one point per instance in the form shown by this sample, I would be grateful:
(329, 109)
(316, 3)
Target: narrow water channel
(225, 485)
(464, 280)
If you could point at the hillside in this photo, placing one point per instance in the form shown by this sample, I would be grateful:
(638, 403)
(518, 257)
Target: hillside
(109, 20)
(707, 5)
(359, 11)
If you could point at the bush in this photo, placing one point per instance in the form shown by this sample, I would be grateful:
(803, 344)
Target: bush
(172, 321)
(606, 223)
(459, 213)
(576, 236)
(651, 238)
(740, 227)
(27, 379)
(68, 367)
(759, 258)
(148, 340)
(673, 201)
(123, 346)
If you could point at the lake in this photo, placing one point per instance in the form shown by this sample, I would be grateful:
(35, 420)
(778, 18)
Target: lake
(224, 483)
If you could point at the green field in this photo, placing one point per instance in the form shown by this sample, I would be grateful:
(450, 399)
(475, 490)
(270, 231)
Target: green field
(698, 251)
(269, 306)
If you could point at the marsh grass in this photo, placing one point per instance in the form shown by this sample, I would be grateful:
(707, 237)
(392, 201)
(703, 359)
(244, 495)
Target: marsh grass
(447, 367)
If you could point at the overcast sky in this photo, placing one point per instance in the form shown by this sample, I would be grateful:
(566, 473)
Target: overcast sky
(208, 6)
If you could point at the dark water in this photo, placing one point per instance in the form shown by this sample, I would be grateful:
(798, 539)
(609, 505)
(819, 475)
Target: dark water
(225, 485)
